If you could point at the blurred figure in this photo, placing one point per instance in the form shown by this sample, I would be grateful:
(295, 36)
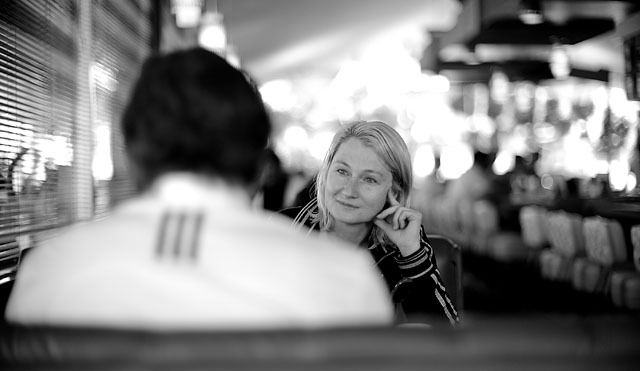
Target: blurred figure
(429, 189)
(306, 194)
(362, 195)
(570, 200)
(298, 181)
(273, 183)
(475, 183)
(189, 252)
(506, 192)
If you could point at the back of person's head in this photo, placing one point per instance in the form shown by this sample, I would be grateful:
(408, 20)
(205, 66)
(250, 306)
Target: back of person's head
(573, 187)
(387, 143)
(482, 160)
(192, 111)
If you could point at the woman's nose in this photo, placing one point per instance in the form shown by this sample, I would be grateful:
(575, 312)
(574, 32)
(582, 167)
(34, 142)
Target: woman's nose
(350, 188)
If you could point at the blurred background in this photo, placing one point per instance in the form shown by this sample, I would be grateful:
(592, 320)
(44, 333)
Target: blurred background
(546, 94)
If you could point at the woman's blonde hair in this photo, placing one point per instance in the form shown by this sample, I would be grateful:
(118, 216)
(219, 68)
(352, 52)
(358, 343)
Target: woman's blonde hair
(387, 143)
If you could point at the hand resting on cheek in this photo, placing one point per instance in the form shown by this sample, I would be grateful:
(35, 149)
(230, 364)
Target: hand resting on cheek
(401, 224)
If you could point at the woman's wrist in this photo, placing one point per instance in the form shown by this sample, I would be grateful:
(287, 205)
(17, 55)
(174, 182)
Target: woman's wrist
(407, 251)
(415, 264)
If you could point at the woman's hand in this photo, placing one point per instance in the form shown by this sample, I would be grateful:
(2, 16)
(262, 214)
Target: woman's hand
(401, 224)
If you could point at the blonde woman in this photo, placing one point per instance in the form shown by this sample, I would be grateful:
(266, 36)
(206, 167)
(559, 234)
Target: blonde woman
(362, 192)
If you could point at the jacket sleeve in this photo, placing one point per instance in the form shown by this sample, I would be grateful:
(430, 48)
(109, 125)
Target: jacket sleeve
(424, 290)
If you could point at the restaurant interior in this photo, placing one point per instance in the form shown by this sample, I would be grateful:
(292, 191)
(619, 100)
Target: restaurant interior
(547, 91)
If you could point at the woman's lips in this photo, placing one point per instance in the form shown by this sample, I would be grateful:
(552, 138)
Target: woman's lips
(346, 204)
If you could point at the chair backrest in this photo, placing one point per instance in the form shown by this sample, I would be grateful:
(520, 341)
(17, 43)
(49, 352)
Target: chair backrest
(635, 242)
(534, 227)
(604, 241)
(565, 233)
(449, 260)
(489, 343)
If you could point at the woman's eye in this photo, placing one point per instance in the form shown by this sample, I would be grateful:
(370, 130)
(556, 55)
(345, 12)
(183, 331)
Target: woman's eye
(342, 172)
(370, 180)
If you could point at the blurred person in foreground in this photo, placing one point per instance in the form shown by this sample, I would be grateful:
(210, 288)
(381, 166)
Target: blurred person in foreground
(189, 252)
(362, 197)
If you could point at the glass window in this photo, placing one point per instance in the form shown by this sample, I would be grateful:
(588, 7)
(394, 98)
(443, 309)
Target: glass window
(66, 67)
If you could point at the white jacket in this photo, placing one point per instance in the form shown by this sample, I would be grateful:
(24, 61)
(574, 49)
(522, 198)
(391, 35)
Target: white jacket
(193, 254)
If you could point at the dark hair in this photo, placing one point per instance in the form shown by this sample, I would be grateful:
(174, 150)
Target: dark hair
(573, 187)
(482, 160)
(192, 111)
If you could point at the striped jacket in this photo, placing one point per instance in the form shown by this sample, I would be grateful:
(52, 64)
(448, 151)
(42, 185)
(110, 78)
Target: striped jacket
(413, 281)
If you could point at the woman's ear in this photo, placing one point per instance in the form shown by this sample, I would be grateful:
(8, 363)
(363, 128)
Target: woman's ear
(399, 196)
(396, 192)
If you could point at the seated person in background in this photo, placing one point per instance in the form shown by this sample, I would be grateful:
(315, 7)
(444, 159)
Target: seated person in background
(570, 199)
(272, 184)
(189, 252)
(502, 191)
(362, 197)
(429, 189)
(475, 184)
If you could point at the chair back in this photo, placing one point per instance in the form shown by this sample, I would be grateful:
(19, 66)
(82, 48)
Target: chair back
(635, 242)
(534, 227)
(565, 233)
(449, 260)
(604, 241)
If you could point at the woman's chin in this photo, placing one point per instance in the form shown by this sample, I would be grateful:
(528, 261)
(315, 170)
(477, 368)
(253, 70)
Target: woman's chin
(352, 219)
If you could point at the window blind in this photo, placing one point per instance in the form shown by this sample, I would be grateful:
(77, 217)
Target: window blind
(122, 40)
(61, 157)
(37, 101)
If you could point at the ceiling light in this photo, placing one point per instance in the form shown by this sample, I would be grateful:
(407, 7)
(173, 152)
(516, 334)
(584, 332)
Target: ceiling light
(530, 12)
(213, 35)
(187, 12)
(499, 86)
(559, 61)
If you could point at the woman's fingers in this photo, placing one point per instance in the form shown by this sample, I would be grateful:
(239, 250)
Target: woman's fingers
(391, 198)
(402, 226)
(403, 217)
(403, 220)
(388, 211)
(397, 216)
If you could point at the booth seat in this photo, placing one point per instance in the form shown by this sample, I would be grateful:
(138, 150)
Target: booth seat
(517, 343)
(625, 289)
(604, 241)
(566, 233)
(635, 242)
(605, 253)
(554, 266)
(566, 244)
(533, 220)
(625, 283)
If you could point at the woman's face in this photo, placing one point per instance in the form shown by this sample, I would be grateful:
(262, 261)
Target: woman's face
(357, 184)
